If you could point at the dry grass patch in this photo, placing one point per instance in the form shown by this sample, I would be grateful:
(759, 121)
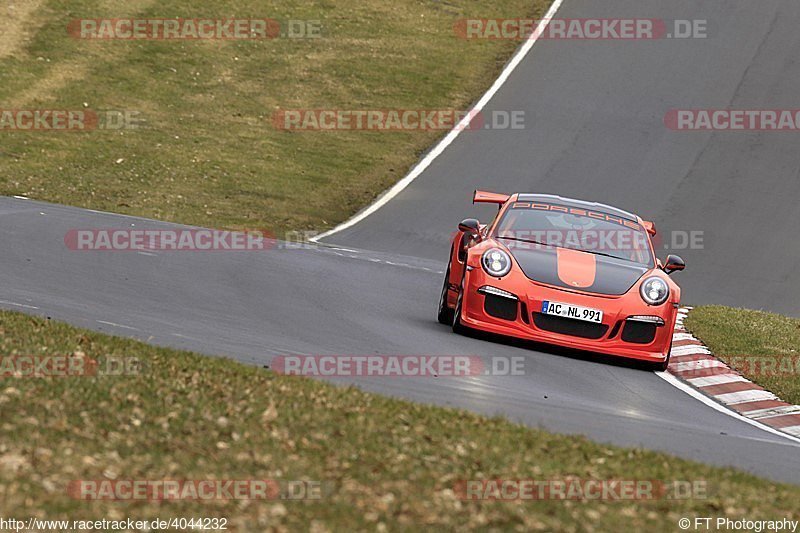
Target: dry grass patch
(380, 460)
(209, 154)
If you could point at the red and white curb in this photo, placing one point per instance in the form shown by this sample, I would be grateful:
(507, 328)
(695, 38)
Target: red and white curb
(694, 364)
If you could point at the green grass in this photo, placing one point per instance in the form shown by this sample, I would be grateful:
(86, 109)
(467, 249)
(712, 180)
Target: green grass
(209, 154)
(765, 347)
(381, 460)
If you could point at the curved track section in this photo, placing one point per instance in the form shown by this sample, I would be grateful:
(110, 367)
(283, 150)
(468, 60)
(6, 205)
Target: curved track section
(253, 306)
(594, 130)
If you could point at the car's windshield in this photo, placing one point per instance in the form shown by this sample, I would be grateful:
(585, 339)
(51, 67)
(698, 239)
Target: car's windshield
(532, 224)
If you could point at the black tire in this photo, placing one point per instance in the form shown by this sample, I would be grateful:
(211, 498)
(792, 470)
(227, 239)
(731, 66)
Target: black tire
(458, 327)
(445, 314)
(662, 367)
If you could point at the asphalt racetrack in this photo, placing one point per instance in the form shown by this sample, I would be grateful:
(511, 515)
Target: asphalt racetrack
(594, 130)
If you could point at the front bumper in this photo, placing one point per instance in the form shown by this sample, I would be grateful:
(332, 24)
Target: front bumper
(617, 335)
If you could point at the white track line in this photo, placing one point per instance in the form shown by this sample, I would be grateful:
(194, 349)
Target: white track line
(691, 349)
(794, 430)
(675, 382)
(745, 396)
(719, 379)
(420, 167)
(696, 365)
(773, 412)
(688, 386)
(123, 326)
(24, 306)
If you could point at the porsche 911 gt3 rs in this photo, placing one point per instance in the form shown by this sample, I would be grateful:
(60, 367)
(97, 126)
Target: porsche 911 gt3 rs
(567, 272)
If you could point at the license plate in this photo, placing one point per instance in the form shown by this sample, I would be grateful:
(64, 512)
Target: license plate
(572, 311)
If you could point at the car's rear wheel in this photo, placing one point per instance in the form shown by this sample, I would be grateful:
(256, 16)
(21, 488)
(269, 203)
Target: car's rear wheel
(445, 315)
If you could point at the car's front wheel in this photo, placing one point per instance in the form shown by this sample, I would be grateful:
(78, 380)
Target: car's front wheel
(662, 367)
(445, 315)
(458, 327)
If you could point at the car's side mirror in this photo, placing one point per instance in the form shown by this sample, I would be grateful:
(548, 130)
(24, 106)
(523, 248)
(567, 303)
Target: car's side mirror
(673, 264)
(470, 226)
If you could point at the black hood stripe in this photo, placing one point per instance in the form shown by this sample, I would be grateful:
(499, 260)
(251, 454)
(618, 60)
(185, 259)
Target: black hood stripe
(613, 277)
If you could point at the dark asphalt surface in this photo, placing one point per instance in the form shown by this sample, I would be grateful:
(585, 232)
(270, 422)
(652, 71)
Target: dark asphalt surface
(594, 115)
(252, 306)
(594, 131)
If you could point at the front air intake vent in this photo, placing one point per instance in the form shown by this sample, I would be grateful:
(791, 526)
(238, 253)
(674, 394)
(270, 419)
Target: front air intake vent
(639, 332)
(500, 307)
(569, 326)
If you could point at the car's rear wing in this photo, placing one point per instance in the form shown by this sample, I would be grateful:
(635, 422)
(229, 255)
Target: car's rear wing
(485, 197)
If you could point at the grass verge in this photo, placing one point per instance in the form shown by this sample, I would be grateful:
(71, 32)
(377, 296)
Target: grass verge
(208, 153)
(383, 462)
(764, 347)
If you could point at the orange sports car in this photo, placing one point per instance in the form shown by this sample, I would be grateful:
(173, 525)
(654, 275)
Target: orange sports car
(561, 271)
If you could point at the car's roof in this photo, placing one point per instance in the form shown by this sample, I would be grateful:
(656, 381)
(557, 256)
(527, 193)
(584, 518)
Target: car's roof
(572, 202)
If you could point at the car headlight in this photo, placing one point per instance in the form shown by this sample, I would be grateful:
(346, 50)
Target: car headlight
(654, 291)
(496, 262)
